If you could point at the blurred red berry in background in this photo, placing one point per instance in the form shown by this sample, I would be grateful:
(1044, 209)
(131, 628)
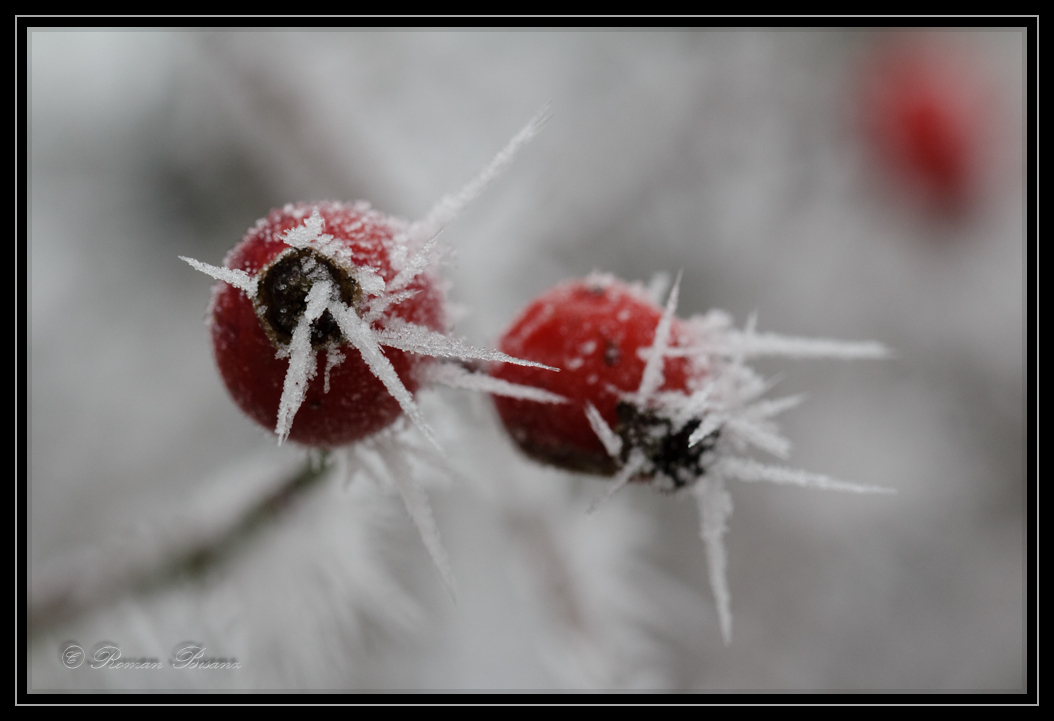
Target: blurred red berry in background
(926, 112)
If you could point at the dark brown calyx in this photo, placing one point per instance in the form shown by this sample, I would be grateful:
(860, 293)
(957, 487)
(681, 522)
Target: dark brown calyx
(281, 296)
(674, 463)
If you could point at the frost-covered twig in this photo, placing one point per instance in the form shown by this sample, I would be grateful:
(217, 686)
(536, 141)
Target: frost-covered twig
(190, 551)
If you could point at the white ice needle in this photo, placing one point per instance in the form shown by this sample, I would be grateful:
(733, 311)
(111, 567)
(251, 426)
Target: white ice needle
(420, 510)
(302, 365)
(636, 462)
(652, 378)
(359, 335)
(610, 439)
(238, 278)
(451, 206)
(715, 506)
(456, 377)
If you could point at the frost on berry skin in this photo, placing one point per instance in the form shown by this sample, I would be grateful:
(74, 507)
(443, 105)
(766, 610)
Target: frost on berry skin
(250, 333)
(591, 330)
(332, 300)
(656, 399)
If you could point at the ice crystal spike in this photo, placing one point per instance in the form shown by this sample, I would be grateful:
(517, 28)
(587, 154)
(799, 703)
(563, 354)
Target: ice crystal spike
(456, 377)
(746, 469)
(417, 339)
(652, 378)
(359, 335)
(451, 206)
(302, 366)
(715, 507)
(420, 511)
(634, 465)
(238, 278)
(612, 443)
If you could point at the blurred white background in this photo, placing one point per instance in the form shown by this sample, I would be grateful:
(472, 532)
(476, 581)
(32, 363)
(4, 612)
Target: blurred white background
(735, 156)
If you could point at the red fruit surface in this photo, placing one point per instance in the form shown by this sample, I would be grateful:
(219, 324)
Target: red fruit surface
(357, 404)
(591, 329)
(925, 111)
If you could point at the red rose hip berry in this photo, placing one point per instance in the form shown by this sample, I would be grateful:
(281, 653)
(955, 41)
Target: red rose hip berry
(322, 260)
(594, 330)
(650, 398)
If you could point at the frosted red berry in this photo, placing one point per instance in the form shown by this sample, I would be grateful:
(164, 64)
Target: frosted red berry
(249, 332)
(925, 110)
(593, 330)
(651, 398)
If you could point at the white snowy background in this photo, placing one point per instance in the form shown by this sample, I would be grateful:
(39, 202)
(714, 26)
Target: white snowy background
(730, 155)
